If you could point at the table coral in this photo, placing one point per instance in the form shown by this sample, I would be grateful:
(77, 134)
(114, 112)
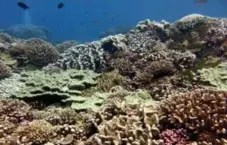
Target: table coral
(64, 86)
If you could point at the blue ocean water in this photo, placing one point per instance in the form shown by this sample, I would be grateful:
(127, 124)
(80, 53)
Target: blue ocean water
(85, 20)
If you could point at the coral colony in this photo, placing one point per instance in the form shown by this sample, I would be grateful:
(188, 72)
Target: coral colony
(158, 84)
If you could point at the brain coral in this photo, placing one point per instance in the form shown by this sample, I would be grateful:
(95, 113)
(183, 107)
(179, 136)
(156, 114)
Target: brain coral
(60, 86)
(40, 53)
(90, 55)
(198, 111)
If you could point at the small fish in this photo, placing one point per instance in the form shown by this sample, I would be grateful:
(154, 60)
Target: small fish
(23, 5)
(94, 21)
(200, 1)
(105, 13)
(60, 5)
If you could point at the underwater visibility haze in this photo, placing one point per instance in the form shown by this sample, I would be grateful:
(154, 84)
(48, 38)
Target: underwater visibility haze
(102, 72)
(86, 20)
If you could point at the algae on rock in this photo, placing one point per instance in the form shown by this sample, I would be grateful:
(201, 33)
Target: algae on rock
(215, 76)
(55, 87)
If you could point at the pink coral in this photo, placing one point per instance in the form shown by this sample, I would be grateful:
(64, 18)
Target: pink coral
(175, 136)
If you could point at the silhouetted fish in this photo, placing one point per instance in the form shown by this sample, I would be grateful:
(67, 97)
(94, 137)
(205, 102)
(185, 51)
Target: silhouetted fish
(60, 5)
(200, 1)
(94, 21)
(23, 5)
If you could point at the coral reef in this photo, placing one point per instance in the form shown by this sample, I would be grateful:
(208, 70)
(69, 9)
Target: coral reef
(7, 59)
(198, 111)
(216, 76)
(5, 71)
(34, 51)
(5, 38)
(175, 136)
(65, 86)
(35, 132)
(131, 127)
(15, 111)
(62, 47)
(109, 80)
(58, 116)
(40, 53)
(90, 55)
(9, 85)
(159, 84)
(150, 71)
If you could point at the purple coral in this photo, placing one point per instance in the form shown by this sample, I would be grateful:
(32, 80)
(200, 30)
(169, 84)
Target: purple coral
(175, 136)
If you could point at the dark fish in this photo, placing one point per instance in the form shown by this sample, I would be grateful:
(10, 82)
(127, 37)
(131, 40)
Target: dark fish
(23, 5)
(60, 5)
(105, 13)
(94, 21)
(200, 1)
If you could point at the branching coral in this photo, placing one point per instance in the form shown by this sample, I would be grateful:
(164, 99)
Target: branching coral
(15, 111)
(198, 111)
(38, 131)
(133, 127)
(58, 116)
(175, 136)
